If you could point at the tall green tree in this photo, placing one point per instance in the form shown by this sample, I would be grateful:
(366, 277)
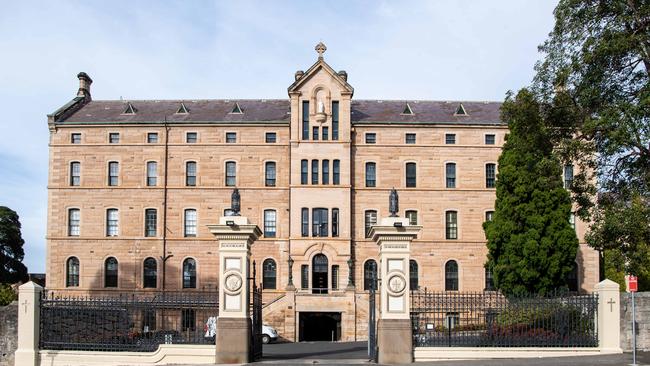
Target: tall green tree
(594, 81)
(531, 244)
(12, 269)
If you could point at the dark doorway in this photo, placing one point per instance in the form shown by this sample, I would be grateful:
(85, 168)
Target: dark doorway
(319, 327)
(319, 274)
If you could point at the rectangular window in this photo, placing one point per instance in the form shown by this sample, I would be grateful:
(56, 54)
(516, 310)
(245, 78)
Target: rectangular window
(490, 139)
(336, 174)
(271, 138)
(412, 215)
(231, 174)
(335, 222)
(113, 173)
(148, 320)
(305, 120)
(304, 230)
(191, 137)
(314, 133)
(314, 172)
(188, 320)
(231, 137)
(371, 138)
(335, 120)
(490, 175)
(190, 173)
(269, 223)
(150, 222)
(74, 222)
(319, 222)
(451, 225)
(114, 138)
(326, 131)
(489, 215)
(335, 277)
(410, 138)
(450, 138)
(304, 172)
(75, 173)
(269, 173)
(152, 138)
(326, 171)
(411, 175)
(112, 222)
(370, 220)
(75, 138)
(304, 276)
(190, 223)
(152, 173)
(568, 176)
(450, 171)
(371, 175)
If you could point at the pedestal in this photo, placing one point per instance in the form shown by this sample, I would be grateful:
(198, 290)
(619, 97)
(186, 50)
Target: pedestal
(233, 337)
(394, 333)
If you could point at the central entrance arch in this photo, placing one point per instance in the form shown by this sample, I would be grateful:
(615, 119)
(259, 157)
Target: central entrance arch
(319, 326)
(320, 268)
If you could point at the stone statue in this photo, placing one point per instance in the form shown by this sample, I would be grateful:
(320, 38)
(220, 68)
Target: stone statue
(393, 203)
(235, 202)
(321, 107)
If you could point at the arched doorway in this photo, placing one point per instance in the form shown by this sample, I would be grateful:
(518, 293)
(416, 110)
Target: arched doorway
(319, 274)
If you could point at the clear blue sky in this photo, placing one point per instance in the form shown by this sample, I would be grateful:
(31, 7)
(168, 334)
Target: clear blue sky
(450, 50)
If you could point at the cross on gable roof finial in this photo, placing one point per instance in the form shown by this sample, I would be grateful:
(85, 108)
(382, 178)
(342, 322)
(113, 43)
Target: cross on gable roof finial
(320, 48)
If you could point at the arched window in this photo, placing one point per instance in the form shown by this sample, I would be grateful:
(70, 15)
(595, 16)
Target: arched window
(75, 173)
(326, 171)
(152, 173)
(451, 225)
(189, 273)
(490, 175)
(190, 173)
(304, 171)
(371, 174)
(450, 172)
(269, 274)
(190, 223)
(413, 275)
(231, 174)
(110, 272)
(269, 173)
(270, 218)
(411, 175)
(451, 276)
(150, 273)
(319, 222)
(72, 272)
(370, 275)
(319, 270)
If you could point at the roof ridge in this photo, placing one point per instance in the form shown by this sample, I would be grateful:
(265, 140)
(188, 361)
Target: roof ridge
(426, 100)
(190, 100)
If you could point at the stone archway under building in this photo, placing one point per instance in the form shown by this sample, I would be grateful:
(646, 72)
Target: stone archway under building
(319, 326)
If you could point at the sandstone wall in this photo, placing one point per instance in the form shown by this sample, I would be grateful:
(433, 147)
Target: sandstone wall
(8, 333)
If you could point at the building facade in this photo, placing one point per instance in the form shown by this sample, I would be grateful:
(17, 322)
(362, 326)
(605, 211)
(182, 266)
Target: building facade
(134, 184)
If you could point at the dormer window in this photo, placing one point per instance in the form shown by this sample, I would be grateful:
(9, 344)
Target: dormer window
(236, 109)
(460, 111)
(182, 109)
(130, 109)
(407, 110)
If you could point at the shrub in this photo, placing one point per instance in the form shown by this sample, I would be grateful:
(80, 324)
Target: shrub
(7, 294)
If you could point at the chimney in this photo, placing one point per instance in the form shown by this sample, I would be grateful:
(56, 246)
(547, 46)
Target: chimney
(84, 85)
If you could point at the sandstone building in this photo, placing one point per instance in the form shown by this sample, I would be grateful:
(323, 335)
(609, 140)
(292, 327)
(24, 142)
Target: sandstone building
(134, 184)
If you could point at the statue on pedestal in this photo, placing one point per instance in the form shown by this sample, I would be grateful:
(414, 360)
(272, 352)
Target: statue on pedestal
(235, 202)
(393, 203)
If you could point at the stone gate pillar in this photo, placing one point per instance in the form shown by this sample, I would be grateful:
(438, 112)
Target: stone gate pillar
(235, 235)
(394, 334)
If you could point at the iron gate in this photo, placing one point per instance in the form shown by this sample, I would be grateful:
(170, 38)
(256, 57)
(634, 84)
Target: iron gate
(256, 310)
(372, 326)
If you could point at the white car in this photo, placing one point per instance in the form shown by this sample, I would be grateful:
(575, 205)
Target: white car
(269, 334)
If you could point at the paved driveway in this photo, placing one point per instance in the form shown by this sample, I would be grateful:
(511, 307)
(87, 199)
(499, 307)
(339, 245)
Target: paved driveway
(316, 351)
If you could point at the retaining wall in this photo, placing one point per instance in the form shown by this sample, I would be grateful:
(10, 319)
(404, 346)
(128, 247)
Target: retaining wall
(8, 333)
(642, 301)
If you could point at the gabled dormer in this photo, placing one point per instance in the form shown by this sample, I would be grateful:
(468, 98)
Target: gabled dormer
(320, 103)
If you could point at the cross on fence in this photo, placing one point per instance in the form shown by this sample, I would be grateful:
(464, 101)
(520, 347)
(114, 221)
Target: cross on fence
(611, 303)
(25, 303)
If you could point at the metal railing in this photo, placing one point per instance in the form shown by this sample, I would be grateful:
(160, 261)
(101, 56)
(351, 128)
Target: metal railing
(489, 319)
(128, 322)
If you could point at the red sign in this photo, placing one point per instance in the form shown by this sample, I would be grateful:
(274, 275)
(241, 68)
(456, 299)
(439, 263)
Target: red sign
(632, 284)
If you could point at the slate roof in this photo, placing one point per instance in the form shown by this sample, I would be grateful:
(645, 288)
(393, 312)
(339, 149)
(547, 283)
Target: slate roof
(277, 111)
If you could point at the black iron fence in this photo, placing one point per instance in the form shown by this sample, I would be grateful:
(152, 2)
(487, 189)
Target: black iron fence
(127, 322)
(489, 319)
